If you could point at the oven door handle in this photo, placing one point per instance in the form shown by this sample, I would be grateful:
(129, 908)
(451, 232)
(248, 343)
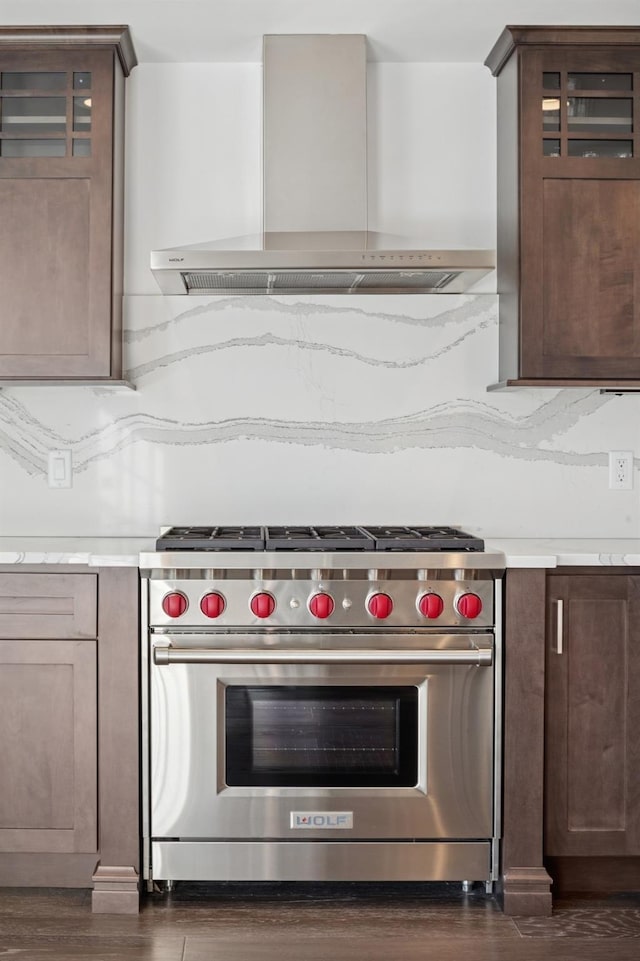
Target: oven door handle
(474, 656)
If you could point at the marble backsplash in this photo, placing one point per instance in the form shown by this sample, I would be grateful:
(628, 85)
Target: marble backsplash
(369, 409)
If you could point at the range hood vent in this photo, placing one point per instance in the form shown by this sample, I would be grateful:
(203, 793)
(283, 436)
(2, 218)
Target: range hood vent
(315, 195)
(347, 281)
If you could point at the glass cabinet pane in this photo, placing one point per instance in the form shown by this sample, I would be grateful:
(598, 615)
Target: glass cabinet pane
(33, 148)
(600, 115)
(81, 148)
(82, 113)
(600, 81)
(551, 81)
(33, 115)
(33, 80)
(551, 148)
(551, 113)
(82, 81)
(600, 148)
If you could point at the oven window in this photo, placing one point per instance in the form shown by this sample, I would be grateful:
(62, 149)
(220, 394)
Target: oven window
(300, 736)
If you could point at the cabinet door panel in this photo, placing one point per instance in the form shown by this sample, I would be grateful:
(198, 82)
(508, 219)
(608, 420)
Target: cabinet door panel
(591, 290)
(592, 715)
(48, 748)
(596, 685)
(44, 267)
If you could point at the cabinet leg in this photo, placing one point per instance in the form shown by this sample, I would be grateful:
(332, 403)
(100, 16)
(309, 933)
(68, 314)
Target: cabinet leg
(115, 890)
(527, 891)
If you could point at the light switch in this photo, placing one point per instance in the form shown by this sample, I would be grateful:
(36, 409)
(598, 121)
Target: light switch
(60, 469)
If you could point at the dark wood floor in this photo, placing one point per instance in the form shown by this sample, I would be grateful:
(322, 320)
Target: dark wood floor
(314, 923)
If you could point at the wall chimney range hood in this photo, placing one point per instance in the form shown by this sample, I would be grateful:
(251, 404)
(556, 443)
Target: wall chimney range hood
(315, 237)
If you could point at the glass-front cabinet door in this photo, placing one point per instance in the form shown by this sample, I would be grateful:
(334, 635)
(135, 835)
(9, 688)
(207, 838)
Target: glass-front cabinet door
(588, 113)
(568, 164)
(579, 169)
(61, 110)
(45, 113)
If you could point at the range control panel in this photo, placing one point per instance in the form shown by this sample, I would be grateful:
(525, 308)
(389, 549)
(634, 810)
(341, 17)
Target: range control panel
(367, 603)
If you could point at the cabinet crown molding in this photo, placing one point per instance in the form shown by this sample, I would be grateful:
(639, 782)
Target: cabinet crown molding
(117, 36)
(513, 37)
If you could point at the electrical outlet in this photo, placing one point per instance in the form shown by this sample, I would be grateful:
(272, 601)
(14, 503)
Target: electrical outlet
(620, 470)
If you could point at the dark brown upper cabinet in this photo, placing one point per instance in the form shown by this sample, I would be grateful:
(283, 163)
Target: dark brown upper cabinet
(568, 117)
(61, 202)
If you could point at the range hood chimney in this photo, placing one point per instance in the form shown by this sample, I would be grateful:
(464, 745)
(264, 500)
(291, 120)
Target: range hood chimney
(315, 237)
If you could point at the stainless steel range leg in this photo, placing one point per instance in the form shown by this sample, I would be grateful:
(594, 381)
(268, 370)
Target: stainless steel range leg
(168, 886)
(467, 886)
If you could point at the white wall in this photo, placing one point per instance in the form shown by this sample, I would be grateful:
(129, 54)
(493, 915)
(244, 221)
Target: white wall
(193, 149)
(313, 409)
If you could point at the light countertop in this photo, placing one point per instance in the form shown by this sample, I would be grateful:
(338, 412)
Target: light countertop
(567, 552)
(125, 551)
(94, 551)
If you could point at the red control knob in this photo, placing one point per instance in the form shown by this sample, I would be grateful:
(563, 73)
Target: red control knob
(174, 604)
(263, 605)
(212, 605)
(321, 605)
(431, 605)
(380, 605)
(469, 605)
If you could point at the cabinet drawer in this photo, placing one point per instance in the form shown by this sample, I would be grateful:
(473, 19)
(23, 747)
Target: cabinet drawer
(40, 606)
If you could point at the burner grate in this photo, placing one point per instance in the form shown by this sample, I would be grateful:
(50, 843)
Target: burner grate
(423, 539)
(317, 539)
(328, 538)
(212, 539)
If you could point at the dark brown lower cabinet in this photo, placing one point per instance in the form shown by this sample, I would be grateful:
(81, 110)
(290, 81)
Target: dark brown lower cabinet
(571, 769)
(69, 766)
(592, 715)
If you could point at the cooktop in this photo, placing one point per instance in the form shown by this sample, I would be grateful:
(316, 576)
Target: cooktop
(326, 538)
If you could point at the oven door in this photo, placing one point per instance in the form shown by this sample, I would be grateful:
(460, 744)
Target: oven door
(328, 737)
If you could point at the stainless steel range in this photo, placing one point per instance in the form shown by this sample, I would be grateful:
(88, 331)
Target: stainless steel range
(322, 704)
